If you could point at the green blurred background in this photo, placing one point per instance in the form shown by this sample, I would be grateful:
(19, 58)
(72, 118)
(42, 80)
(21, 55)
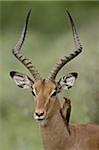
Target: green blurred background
(49, 37)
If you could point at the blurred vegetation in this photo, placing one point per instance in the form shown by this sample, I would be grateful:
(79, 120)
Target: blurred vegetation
(49, 37)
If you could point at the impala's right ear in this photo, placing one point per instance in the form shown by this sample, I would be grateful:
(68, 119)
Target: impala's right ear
(21, 80)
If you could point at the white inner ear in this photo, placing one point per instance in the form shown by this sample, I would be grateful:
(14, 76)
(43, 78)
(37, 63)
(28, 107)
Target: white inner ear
(22, 81)
(70, 81)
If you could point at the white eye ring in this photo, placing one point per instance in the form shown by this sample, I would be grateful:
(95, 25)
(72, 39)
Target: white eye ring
(53, 93)
(34, 92)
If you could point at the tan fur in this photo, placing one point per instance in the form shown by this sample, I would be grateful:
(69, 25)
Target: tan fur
(54, 133)
(42, 97)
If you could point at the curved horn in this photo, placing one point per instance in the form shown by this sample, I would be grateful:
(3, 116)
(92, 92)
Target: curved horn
(20, 56)
(72, 55)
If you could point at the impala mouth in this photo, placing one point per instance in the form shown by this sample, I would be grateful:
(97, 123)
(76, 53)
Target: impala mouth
(40, 120)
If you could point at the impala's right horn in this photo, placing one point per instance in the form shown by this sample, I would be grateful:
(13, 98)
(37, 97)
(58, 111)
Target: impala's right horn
(20, 56)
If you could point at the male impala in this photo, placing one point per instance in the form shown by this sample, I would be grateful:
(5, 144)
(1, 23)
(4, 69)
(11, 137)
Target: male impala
(54, 132)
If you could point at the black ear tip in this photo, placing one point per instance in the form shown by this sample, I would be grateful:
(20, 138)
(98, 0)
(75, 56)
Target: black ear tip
(29, 11)
(75, 74)
(67, 12)
(12, 73)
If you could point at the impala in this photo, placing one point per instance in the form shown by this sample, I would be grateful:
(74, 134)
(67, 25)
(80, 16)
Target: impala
(53, 129)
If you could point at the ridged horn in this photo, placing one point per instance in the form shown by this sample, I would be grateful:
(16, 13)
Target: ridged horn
(24, 60)
(66, 59)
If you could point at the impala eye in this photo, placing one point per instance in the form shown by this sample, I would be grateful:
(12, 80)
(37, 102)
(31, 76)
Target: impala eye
(54, 93)
(33, 93)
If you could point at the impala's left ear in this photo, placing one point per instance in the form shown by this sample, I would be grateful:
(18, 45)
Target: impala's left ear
(67, 81)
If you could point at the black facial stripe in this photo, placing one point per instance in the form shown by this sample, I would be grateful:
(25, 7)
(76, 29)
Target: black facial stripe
(69, 87)
(20, 86)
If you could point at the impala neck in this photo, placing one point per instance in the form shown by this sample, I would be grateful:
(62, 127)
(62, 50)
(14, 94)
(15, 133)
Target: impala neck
(54, 134)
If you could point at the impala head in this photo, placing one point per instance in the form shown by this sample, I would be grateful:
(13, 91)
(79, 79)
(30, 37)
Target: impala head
(45, 91)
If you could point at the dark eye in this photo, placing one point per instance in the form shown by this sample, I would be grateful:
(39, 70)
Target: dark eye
(54, 94)
(33, 93)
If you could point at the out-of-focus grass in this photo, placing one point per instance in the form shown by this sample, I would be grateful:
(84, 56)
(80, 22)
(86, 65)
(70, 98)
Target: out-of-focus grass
(17, 129)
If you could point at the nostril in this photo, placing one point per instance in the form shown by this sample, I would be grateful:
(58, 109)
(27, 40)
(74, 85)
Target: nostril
(39, 114)
(42, 114)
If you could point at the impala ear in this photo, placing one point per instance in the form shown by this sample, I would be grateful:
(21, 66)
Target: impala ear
(21, 80)
(67, 81)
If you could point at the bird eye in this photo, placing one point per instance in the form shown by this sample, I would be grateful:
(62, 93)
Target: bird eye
(33, 93)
